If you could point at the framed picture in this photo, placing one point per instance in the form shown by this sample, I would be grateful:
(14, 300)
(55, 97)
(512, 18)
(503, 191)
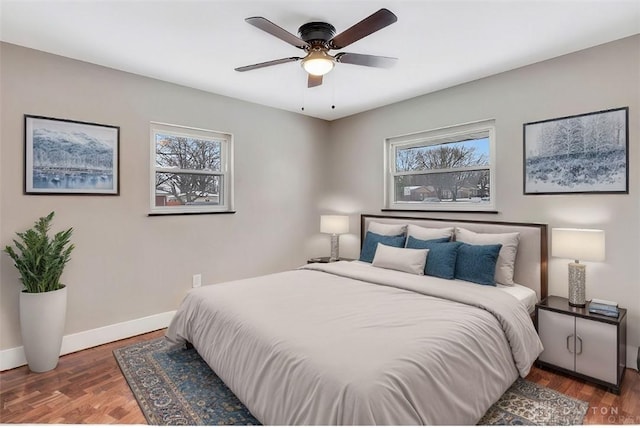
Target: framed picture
(586, 153)
(64, 157)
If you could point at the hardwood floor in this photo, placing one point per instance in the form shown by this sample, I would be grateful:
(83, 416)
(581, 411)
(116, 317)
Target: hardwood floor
(605, 408)
(87, 387)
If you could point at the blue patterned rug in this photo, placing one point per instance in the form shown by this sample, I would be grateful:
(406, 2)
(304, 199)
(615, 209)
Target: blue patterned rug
(174, 386)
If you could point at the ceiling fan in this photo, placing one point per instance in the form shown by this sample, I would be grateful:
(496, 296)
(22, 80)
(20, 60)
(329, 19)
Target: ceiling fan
(318, 38)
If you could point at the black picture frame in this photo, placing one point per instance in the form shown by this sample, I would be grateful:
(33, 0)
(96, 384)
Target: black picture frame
(70, 157)
(583, 153)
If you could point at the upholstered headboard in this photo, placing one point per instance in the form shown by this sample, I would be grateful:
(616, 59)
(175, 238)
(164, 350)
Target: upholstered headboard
(531, 259)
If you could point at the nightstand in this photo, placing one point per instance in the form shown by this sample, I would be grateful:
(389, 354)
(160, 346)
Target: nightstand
(326, 259)
(576, 342)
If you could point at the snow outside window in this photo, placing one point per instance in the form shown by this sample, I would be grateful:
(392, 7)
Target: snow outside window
(442, 169)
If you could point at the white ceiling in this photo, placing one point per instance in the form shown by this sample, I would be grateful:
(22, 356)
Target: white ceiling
(439, 43)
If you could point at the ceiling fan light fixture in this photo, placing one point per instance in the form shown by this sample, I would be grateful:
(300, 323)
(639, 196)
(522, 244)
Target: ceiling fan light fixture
(318, 63)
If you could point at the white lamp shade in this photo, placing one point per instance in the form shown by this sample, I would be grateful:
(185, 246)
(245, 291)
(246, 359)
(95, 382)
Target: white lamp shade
(334, 224)
(578, 244)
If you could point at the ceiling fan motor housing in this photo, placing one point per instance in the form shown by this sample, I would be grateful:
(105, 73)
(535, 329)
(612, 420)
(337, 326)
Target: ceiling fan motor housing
(316, 31)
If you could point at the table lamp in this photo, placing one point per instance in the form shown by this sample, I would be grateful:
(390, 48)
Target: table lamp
(334, 225)
(577, 244)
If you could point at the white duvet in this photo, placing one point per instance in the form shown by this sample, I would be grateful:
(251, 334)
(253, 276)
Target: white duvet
(347, 343)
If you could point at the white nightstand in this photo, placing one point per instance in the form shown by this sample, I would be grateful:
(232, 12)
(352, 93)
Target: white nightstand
(589, 346)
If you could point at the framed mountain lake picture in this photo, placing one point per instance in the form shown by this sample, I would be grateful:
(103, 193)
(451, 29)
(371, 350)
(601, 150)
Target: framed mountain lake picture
(68, 157)
(586, 153)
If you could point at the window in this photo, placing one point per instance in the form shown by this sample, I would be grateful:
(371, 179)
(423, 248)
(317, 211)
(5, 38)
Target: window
(192, 170)
(442, 169)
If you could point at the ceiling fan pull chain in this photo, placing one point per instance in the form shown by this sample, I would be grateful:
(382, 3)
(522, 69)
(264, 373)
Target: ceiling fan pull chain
(333, 92)
(304, 92)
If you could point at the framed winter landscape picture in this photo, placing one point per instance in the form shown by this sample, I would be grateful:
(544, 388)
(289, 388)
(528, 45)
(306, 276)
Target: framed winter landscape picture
(70, 157)
(587, 153)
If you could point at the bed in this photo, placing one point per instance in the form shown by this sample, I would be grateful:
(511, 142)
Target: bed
(353, 343)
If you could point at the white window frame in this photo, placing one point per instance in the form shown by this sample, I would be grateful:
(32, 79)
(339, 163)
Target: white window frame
(226, 168)
(449, 134)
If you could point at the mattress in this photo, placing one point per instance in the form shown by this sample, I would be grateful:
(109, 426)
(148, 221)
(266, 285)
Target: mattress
(351, 344)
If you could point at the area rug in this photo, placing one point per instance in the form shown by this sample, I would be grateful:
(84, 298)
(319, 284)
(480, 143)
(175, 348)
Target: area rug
(174, 386)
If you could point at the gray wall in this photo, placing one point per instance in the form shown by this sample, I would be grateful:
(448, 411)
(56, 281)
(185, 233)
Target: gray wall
(289, 169)
(595, 79)
(128, 265)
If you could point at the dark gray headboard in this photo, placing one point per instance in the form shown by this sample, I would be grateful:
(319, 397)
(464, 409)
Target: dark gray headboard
(531, 261)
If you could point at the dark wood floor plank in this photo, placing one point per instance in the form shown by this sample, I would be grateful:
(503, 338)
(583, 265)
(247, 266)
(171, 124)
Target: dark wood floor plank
(88, 387)
(605, 408)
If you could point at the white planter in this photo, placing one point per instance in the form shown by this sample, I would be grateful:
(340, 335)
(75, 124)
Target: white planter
(42, 318)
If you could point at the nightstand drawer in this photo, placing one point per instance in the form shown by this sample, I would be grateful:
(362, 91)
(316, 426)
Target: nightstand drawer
(596, 350)
(557, 332)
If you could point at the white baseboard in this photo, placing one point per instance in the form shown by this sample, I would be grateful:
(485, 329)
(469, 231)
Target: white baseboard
(14, 357)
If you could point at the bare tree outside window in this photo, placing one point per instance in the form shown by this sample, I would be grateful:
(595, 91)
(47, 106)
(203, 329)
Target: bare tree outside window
(194, 161)
(452, 172)
(191, 171)
(448, 168)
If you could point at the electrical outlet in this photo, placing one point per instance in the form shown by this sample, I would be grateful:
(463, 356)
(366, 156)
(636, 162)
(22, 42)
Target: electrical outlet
(197, 280)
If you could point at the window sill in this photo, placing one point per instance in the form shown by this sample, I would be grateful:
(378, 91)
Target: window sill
(426, 210)
(191, 213)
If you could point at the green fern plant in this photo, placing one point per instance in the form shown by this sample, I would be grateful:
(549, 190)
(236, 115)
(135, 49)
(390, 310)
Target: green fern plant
(40, 260)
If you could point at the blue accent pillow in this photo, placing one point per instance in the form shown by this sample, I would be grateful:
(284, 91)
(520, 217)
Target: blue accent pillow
(371, 241)
(441, 260)
(477, 263)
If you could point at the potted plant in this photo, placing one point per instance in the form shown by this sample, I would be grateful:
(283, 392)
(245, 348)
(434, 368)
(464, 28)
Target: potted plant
(40, 260)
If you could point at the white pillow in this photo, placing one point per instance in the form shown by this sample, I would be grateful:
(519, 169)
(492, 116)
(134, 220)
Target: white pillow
(409, 260)
(387, 229)
(426, 233)
(507, 256)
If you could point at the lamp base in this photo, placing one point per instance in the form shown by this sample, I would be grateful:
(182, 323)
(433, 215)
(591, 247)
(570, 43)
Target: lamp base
(335, 248)
(577, 295)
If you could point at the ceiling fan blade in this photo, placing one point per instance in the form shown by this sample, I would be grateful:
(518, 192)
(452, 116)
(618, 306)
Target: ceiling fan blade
(271, 28)
(366, 60)
(369, 25)
(268, 63)
(314, 81)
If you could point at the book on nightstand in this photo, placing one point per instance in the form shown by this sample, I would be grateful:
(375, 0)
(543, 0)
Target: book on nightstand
(604, 302)
(612, 314)
(609, 309)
